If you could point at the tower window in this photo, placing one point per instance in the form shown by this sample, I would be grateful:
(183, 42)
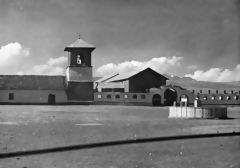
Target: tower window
(79, 60)
(109, 96)
(117, 96)
(11, 96)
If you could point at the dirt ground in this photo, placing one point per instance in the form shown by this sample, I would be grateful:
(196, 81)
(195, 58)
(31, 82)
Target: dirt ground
(37, 127)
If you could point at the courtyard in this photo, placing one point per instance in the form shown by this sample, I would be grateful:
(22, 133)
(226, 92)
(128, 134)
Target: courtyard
(37, 127)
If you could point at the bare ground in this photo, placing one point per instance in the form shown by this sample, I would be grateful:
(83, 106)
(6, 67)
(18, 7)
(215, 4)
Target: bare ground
(36, 127)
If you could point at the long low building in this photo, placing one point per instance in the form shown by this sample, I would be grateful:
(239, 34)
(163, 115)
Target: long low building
(32, 89)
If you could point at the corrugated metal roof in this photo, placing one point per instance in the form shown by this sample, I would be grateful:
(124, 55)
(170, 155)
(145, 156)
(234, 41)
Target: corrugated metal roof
(31, 82)
(106, 78)
(111, 85)
(80, 43)
(126, 76)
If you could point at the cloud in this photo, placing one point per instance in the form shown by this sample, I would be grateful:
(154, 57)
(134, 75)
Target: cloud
(160, 64)
(54, 66)
(192, 67)
(13, 57)
(217, 75)
(12, 54)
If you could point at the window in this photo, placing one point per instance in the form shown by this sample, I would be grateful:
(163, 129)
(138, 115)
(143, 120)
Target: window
(236, 97)
(11, 96)
(125, 96)
(99, 96)
(134, 96)
(205, 98)
(117, 96)
(213, 98)
(228, 97)
(220, 98)
(143, 96)
(109, 96)
(79, 60)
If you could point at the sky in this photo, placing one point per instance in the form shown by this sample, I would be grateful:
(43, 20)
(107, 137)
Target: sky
(198, 39)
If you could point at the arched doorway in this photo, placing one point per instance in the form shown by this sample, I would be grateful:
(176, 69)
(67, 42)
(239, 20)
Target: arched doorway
(51, 99)
(170, 95)
(156, 100)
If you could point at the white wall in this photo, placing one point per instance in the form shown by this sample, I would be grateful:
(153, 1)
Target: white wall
(83, 74)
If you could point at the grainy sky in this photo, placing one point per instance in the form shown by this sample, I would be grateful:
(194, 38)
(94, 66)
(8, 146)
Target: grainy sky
(204, 33)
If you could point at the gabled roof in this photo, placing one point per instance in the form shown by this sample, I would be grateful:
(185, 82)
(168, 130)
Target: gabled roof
(126, 76)
(111, 85)
(32, 82)
(79, 43)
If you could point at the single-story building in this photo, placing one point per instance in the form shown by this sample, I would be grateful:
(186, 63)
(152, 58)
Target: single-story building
(138, 82)
(32, 89)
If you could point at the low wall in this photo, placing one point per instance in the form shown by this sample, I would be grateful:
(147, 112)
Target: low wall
(197, 112)
(123, 98)
(219, 99)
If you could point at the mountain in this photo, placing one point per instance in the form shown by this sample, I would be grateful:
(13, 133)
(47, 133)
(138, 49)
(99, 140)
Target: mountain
(191, 84)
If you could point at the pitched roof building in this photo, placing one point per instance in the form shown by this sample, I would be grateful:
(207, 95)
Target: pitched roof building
(140, 81)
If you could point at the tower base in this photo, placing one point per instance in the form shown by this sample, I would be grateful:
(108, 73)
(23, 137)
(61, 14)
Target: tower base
(78, 92)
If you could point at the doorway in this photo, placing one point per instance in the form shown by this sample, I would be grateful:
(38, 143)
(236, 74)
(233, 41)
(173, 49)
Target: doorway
(51, 99)
(170, 95)
(156, 100)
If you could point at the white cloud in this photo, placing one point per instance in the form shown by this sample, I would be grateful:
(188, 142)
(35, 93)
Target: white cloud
(192, 67)
(54, 66)
(217, 75)
(12, 54)
(60, 61)
(160, 64)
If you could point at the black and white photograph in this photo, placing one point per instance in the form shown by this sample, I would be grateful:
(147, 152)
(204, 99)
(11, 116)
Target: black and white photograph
(119, 83)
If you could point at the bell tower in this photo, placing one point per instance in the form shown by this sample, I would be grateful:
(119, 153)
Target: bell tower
(79, 72)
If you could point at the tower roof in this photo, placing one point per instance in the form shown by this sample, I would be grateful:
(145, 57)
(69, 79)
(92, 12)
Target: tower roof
(79, 43)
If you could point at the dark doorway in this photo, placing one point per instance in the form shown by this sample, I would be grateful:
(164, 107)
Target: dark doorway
(156, 100)
(170, 95)
(51, 99)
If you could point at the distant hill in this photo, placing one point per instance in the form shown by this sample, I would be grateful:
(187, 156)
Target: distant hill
(191, 84)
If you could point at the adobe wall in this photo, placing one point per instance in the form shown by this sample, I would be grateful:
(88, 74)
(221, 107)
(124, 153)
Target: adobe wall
(123, 98)
(32, 96)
